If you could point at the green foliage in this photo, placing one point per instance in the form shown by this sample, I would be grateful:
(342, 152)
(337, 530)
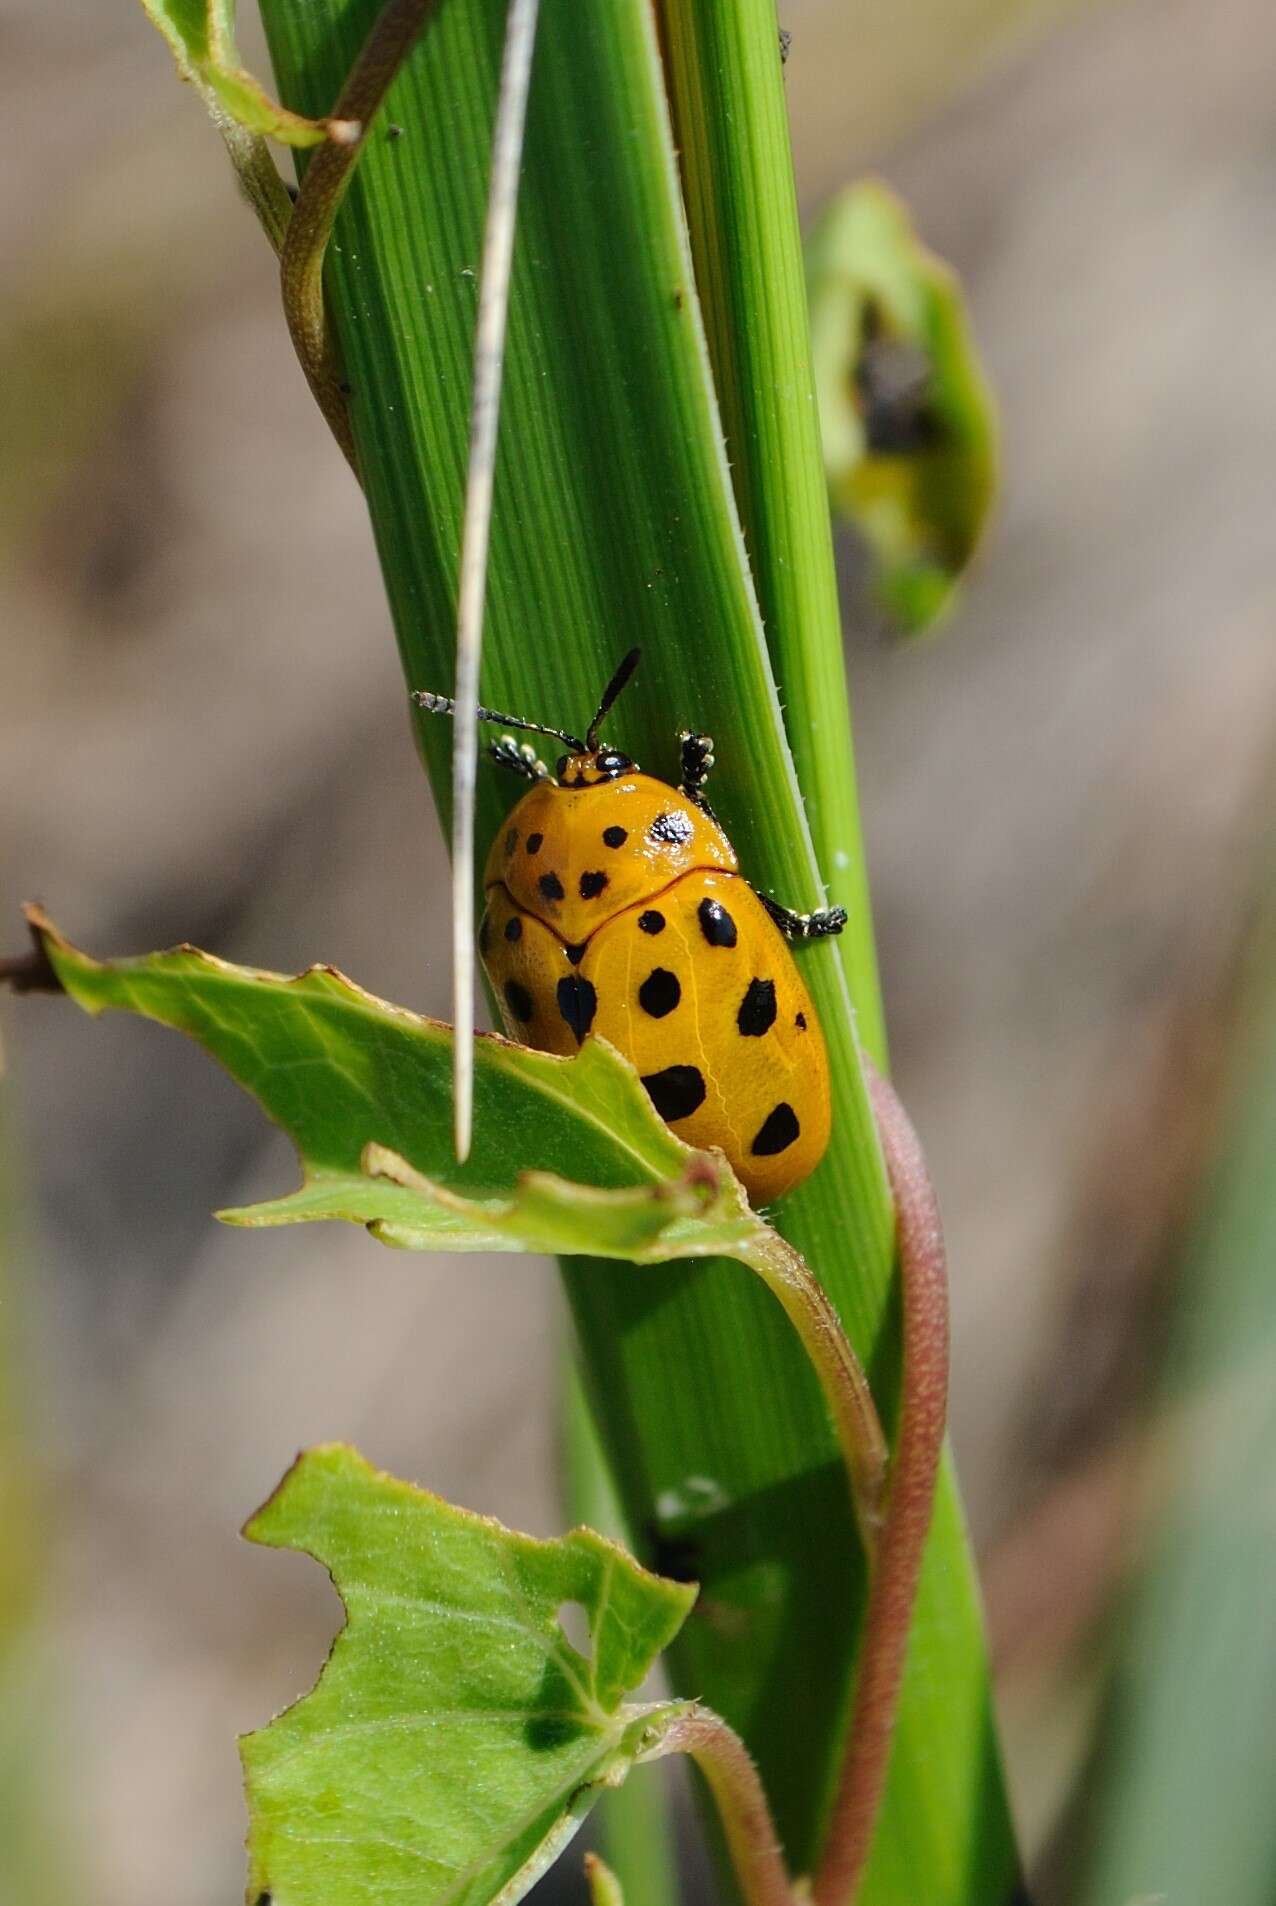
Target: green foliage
(1182, 1800)
(569, 1154)
(456, 1739)
(618, 520)
(730, 121)
(201, 34)
(908, 420)
(615, 523)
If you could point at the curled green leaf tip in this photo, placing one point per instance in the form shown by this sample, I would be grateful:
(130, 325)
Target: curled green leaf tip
(201, 36)
(456, 1737)
(908, 420)
(604, 1887)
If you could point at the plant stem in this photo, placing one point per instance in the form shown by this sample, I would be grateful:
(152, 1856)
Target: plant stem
(842, 1376)
(258, 175)
(895, 1562)
(740, 1798)
(327, 178)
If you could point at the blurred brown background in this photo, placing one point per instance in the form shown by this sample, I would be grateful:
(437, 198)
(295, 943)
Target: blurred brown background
(204, 728)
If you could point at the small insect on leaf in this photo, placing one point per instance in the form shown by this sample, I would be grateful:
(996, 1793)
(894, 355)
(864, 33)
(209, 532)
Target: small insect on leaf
(907, 417)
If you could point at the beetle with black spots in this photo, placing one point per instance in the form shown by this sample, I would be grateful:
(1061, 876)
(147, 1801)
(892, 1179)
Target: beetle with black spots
(616, 908)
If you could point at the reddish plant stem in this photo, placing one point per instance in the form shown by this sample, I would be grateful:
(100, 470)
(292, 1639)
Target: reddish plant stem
(895, 1564)
(740, 1799)
(323, 188)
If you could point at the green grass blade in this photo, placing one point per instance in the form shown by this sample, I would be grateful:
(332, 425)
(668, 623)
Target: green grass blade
(1183, 1806)
(615, 523)
(727, 96)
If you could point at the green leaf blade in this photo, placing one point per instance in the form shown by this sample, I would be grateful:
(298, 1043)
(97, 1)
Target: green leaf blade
(455, 1738)
(339, 1069)
(722, 60)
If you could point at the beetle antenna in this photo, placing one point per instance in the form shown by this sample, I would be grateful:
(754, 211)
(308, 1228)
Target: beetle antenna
(444, 705)
(610, 694)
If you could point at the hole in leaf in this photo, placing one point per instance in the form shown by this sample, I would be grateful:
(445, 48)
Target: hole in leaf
(573, 1619)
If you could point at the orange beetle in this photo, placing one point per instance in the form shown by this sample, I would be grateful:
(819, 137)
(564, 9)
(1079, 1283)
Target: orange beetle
(615, 905)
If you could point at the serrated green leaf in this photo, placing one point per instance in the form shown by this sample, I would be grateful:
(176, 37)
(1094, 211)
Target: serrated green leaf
(907, 417)
(201, 34)
(455, 1739)
(569, 1154)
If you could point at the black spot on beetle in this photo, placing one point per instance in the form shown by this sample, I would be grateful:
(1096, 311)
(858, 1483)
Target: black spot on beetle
(676, 1092)
(777, 1132)
(533, 843)
(511, 840)
(575, 954)
(615, 836)
(800, 1022)
(577, 1002)
(757, 1009)
(716, 923)
(513, 928)
(672, 830)
(485, 934)
(519, 1001)
(551, 886)
(651, 921)
(591, 885)
(659, 992)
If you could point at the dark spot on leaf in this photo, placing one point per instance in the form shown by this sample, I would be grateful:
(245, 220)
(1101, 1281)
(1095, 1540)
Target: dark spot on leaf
(615, 836)
(544, 1732)
(519, 1001)
(551, 886)
(778, 1131)
(263, 1899)
(757, 1009)
(591, 885)
(659, 992)
(716, 923)
(800, 1022)
(674, 830)
(577, 1002)
(513, 928)
(677, 1556)
(511, 839)
(676, 1092)
(533, 843)
(651, 921)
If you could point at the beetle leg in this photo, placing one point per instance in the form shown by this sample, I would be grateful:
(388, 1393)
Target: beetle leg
(697, 759)
(819, 925)
(519, 757)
